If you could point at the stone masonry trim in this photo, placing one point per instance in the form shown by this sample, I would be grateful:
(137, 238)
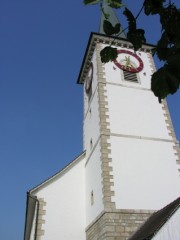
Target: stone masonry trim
(117, 225)
(168, 120)
(171, 132)
(40, 221)
(107, 179)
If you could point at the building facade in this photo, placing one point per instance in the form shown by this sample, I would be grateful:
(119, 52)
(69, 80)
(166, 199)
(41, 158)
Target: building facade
(130, 164)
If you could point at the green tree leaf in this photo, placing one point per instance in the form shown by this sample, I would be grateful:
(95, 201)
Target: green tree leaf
(164, 82)
(115, 3)
(170, 20)
(109, 29)
(173, 64)
(108, 54)
(131, 20)
(86, 2)
(136, 38)
(153, 6)
(162, 47)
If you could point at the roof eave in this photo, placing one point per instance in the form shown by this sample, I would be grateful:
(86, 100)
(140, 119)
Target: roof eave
(61, 172)
(30, 210)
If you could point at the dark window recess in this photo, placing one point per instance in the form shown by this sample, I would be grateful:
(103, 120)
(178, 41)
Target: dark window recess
(131, 77)
(89, 94)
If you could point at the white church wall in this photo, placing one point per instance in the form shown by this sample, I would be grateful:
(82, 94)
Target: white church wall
(135, 112)
(93, 186)
(91, 114)
(133, 109)
(141, 144)
(144, 173)
(94, 202)
(65, 205)
(171, 229)
(91, 126)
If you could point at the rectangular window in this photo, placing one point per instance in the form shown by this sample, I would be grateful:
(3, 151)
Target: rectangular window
(131, 77)
(92, 198)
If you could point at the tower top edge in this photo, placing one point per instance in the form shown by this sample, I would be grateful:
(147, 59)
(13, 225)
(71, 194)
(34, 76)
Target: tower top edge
(104, 39)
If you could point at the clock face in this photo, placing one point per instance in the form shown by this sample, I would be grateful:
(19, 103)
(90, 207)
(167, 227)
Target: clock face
(129, 61)
(89, 78)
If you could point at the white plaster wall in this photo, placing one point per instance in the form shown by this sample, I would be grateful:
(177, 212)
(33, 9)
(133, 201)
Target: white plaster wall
(145, 173)
(144, 165)
(94, 183)
(65, 205)
(93, 164)
(91, 125)
(91, 131)
(91, 114)
(135, 112)
(171, 229)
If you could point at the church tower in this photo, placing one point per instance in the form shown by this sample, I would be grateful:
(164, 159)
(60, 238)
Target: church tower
(132, 163)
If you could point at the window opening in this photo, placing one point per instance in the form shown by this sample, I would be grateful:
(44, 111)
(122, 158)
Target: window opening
(90, 112)
(92, 198)
(90, 94)
(91, 144)
(130, 76)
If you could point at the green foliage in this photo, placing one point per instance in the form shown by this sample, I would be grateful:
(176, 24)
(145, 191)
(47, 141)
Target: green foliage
(136, 38)
(162, 49)
(167, 79)
(112, 3)
(108, 54)
(173, 65)
(115, 3)
(86, 2)
(134, 35)
(164, 82)
(170, 20)
(153, 6)
(109, 29)
(131, 19)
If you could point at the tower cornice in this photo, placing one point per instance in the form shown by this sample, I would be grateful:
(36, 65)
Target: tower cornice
(101, 38)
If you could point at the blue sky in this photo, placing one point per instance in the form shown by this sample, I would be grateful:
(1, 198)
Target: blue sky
(42, 43)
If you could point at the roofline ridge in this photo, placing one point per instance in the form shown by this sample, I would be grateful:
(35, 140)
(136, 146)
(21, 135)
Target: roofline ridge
(76, 159)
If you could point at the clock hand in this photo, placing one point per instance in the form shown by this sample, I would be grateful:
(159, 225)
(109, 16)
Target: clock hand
(128, 62)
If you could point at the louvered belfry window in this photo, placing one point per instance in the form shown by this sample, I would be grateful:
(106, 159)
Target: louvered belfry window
(131, 77)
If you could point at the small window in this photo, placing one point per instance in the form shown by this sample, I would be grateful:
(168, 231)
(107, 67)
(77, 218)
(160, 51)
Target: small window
(90, 112)
(90, 94)
(131, 77)
(91, 144)
(92, 198)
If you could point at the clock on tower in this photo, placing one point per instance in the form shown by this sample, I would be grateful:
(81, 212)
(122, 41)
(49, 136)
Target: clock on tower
(129, 61)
